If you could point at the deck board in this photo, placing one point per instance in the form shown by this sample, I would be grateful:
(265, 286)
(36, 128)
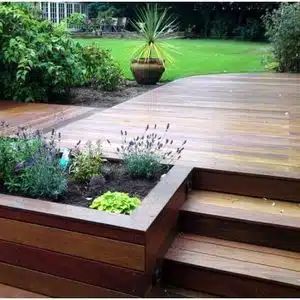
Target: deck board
(244, 123)
(237, 258)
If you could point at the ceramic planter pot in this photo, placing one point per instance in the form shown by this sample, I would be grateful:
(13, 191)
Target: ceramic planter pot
(147, 71)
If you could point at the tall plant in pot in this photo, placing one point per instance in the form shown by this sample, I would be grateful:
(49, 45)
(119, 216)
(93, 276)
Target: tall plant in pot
(148, 63)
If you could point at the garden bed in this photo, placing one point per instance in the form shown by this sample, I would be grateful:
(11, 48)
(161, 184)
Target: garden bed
(87, 96)
(64, 250)
(114, 178)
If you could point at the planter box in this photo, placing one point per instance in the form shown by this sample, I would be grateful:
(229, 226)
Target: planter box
(61, 250)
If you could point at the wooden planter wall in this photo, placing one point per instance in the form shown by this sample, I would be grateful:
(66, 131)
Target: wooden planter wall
(65, 251)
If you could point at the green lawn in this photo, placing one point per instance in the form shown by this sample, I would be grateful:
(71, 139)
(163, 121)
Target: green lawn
(194, 57)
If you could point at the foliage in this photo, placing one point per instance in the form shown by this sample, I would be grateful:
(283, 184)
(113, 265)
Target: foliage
(101, 70)
(37, 58)
(30, 164)
(14, 150)
(77, 20)
(101, 8)
(153, 24)
(148, 155)
(283, 31)
(87, 162)
(116, 202)
(44, 178)
(251, 31)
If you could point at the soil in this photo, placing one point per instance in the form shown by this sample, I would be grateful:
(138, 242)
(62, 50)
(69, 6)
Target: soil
(102, 99)
(114, 178)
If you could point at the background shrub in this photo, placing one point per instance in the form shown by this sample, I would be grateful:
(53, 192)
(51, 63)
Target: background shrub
(39, 59)
(283, 31)
(116, 202)
(101, 70)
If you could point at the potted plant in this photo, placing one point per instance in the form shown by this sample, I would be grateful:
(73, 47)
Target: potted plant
(149, 59)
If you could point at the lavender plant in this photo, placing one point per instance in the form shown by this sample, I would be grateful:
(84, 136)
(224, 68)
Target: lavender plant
(149, 154)
(29, 162)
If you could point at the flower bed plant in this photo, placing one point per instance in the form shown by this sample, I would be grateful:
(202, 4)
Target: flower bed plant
(35, 166)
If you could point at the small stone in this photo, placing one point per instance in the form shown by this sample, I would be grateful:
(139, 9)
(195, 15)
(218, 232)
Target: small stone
(273, 204)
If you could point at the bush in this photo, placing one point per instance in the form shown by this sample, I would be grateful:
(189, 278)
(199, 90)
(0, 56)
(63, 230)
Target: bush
(87, 163)
(116, 202)
(39, 60)
(101, 70)
(30, 165)
(148, 155)
(283, 31)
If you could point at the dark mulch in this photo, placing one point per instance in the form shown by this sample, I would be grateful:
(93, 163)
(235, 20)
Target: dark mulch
(114, 178)
(97, 98)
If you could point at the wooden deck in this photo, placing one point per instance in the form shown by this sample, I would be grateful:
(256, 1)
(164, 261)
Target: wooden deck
(244, 123)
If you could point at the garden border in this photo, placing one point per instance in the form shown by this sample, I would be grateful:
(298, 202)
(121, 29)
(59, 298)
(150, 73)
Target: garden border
(73, 251)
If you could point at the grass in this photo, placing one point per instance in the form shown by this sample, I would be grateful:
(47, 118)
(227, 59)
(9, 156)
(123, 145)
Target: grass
(194, 57)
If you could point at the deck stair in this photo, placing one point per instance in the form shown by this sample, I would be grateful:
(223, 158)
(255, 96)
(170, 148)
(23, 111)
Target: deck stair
(236, 246)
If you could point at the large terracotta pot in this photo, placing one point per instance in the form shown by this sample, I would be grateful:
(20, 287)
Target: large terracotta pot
(147, 71)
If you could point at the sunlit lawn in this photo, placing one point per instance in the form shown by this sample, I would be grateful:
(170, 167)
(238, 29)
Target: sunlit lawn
(194, 57)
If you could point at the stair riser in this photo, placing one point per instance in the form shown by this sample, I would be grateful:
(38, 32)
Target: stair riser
(240, 231)
(247, 185)
(221, 283)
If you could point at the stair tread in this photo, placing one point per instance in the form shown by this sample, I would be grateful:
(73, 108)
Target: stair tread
(261, 210)
(237, 258)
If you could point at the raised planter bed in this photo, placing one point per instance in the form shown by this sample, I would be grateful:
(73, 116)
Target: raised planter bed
(63, 250)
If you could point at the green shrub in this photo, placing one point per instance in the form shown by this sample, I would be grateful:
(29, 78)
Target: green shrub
(87, 163)
(29, 165)
(101, 70)
(283, 31)
(43, 179)
(148, 155)
(37, 58)
(116, 202)
(251, 31)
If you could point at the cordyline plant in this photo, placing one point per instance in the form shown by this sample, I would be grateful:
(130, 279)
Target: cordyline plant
(154, 24)
(149, 154)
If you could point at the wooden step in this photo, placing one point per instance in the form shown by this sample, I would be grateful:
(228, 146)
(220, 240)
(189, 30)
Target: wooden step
(231, 269)
(7, 291)
(260, 221)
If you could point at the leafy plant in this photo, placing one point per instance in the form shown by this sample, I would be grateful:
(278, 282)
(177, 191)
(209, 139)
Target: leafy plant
(77, 20)
(154, 24)
(30, 164)
(87, 162)
(37, 58)
(116, 202)
(283, 31)
(101, 70)
(148, 155)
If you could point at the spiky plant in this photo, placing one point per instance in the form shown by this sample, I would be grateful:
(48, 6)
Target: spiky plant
(153, 24)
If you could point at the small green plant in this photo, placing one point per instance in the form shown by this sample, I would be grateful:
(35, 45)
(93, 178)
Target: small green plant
(154, 24)
(116, 202)
(149, 154)
(87, 162)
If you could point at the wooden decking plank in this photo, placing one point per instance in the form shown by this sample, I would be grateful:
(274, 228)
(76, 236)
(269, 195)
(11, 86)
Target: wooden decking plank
(191, 255)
